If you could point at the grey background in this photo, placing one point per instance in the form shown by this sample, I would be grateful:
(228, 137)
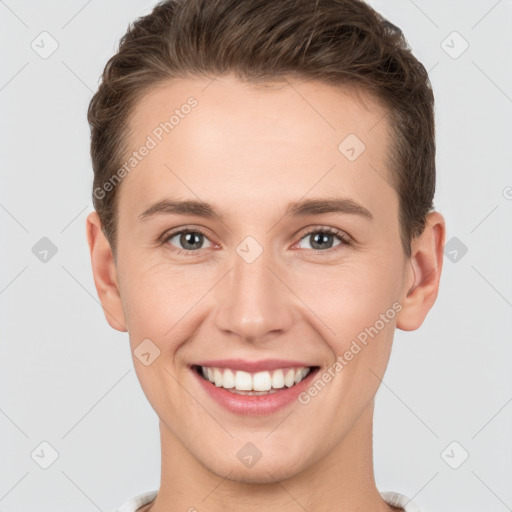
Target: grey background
(67, 378)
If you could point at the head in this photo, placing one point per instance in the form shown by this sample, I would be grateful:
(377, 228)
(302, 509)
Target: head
(270, 113)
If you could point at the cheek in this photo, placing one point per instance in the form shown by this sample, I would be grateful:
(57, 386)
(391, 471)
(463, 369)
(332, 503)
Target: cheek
(341, 300)
(350, 298)
(157, 296)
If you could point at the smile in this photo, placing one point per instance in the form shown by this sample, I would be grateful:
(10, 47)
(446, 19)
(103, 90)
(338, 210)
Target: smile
(259, 383)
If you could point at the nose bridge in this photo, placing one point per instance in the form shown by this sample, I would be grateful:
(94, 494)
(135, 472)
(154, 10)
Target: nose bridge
(253, 302)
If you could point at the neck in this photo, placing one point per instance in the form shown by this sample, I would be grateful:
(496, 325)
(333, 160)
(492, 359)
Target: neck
(341, 480)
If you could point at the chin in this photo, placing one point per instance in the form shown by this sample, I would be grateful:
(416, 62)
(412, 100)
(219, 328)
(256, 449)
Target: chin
(263, 475)
(263, 472)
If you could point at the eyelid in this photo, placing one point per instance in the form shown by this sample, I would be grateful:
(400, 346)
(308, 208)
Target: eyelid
(163, 239)
(344, 237)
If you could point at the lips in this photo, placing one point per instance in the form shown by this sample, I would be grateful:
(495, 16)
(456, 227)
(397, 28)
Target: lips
(267, 387)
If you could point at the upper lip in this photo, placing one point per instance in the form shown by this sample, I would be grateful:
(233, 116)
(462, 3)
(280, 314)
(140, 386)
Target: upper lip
(253, 366)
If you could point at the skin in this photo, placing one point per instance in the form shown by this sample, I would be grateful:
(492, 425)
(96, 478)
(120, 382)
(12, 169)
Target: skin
(251, 151)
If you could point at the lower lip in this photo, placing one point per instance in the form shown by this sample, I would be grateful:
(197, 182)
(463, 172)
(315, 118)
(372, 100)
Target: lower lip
(255, 405)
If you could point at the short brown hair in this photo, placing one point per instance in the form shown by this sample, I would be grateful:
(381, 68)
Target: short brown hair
(338, 42)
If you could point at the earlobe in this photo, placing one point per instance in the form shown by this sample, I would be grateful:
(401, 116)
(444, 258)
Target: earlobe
(422, 283)
(105, 273)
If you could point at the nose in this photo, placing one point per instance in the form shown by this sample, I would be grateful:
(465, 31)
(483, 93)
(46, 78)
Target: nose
(253, 301)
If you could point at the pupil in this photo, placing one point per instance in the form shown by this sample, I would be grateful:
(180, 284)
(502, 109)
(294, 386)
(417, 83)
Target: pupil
(320, 240)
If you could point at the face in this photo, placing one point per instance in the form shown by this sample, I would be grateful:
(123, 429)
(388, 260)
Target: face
(296, 258)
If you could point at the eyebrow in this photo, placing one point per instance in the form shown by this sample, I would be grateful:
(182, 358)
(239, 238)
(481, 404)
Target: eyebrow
(298, 209)
(319, 206)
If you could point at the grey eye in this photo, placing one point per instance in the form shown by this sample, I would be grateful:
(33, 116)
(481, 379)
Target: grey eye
(189, 240)
(320, 240)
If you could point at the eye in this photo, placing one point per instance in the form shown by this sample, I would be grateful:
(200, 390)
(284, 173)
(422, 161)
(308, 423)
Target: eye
(190, 240)
(321, 239)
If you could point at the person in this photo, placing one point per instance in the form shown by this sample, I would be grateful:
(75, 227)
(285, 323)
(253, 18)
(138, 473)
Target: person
(264, 175)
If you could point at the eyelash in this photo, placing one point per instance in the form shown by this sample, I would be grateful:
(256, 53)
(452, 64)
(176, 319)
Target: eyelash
(345, 239)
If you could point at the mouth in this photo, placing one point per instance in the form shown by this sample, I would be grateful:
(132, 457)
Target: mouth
(259, 383)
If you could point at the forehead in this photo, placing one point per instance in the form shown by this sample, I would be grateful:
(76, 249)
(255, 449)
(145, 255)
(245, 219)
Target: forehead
(270, 143)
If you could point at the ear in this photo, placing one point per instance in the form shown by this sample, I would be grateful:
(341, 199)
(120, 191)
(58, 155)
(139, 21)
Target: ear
(105, 274)
(423, 273)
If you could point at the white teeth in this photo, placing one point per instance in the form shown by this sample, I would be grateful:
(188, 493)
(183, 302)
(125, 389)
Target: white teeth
(217, 377)
(254, 383)
(289, 378)
(278, 379)
(261, 381)
(228, 379)
(243, 381)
